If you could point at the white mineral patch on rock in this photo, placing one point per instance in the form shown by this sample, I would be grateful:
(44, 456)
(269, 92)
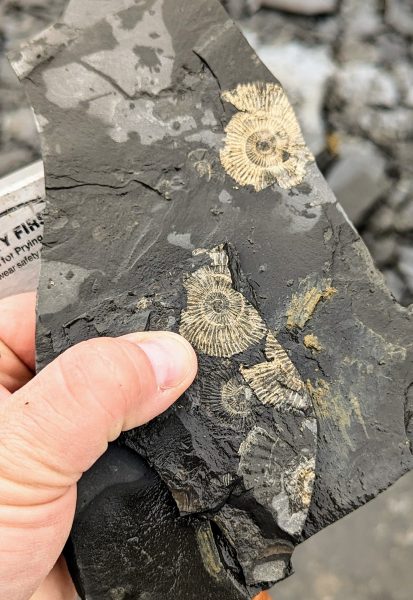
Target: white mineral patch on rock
(183, 240)
(225, 197)
(80, 12)
(205, 136)
(299, 212)
(65, 280)
(141, 62)
(73, 84)
(209, 118)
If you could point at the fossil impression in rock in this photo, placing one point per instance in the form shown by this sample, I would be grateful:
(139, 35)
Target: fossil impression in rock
(159, 126)
(281, 478)
(223, 410)
(276, 381)
(218, 320)
(225, 397)
(264, 143)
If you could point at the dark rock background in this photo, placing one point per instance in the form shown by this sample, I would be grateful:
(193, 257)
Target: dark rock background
(349, 74)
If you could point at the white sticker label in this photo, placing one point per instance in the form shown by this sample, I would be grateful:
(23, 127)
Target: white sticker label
(21, 233)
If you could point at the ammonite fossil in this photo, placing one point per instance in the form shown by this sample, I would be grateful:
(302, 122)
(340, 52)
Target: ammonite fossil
(276, 381)
(223, 396)
(218, 320)
(258, 463)
(281, 476)
(264, 144)
(231, 403)
(247, 385)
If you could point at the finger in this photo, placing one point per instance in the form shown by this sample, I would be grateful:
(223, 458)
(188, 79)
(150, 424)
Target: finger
(13, 372)
(58, 585)
(57, 426)
(17, 326)
(17, 322)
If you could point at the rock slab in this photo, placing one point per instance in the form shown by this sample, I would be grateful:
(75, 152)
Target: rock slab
(140, 191)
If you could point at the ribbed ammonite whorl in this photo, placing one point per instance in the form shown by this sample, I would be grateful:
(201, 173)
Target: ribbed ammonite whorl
(280, 476)
(218, 320)
(236, 398)
(277, 382)
(227, 399)
(259, 463)
(264, 143)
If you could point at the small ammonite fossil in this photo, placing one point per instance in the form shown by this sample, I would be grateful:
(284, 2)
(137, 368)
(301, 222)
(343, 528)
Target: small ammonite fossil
(277, 382)
(228, 401)
(218, 320)
(280, 476)
(264, 143)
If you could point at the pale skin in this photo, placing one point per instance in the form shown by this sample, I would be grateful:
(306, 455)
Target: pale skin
(55, 425)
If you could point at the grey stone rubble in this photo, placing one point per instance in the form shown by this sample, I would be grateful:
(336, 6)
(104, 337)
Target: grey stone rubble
(359, 178)
(240, 8)
(19, 141)
(305, 7)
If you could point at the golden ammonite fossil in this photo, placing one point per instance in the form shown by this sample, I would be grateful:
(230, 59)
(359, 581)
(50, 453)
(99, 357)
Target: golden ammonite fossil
(264, 143)
(218, 320)
(277, 381)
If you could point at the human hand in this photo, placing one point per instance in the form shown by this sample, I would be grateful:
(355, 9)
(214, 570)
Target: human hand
(54, 426)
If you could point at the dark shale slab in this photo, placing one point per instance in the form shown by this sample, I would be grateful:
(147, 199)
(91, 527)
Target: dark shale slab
(174, 165)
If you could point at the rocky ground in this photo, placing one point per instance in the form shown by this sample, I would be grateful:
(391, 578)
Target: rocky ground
(347, 66)
(20, 19)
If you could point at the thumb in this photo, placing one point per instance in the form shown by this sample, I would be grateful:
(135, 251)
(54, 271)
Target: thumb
(56, 426)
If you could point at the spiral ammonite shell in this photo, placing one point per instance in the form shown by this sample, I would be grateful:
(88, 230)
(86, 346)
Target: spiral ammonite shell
(228, 400)
(277, 382)
(264, 143)
(236, 398)
(218, 320)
